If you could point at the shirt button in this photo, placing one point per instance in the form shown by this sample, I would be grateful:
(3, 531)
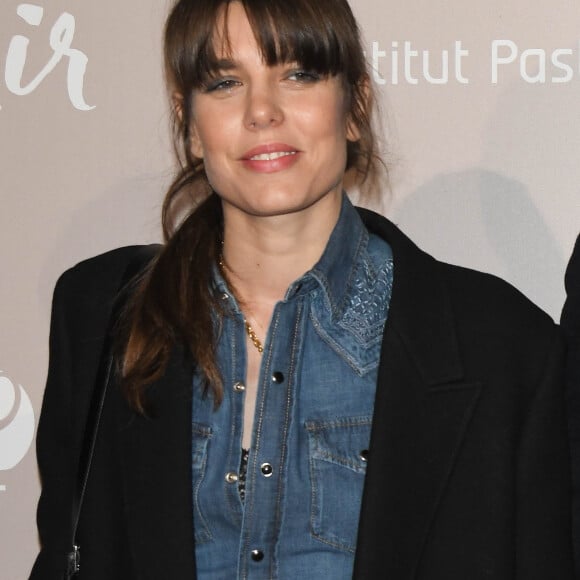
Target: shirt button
(232, 477)
(257, 555)
(277, 377)
(239, 387)
(266, 469)
(364, 455)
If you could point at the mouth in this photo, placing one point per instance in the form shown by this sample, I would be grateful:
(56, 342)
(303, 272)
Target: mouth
(269, 152)
(271, 156)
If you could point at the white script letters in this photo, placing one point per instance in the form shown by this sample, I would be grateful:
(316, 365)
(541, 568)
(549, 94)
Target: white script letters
(61, 39)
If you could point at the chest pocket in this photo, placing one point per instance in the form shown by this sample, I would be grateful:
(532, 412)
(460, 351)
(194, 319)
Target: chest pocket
(201, 434)
(338, 455)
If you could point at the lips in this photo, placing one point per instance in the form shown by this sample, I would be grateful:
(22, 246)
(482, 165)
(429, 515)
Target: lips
(270, 157)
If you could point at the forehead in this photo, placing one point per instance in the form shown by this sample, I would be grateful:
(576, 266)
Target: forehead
(233, 37)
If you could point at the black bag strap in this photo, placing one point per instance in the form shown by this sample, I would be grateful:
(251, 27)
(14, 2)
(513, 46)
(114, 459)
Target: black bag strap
(137, 264)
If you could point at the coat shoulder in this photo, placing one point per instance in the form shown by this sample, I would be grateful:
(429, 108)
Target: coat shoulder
(489, 292)
(476, 297)
(97, 273)
(84, 293)
(491, 311)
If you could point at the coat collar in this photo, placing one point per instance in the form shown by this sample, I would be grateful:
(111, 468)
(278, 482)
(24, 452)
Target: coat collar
(420, 311)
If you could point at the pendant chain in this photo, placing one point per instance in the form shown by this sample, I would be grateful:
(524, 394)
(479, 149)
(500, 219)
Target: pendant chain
(249, 330)
(252, 336)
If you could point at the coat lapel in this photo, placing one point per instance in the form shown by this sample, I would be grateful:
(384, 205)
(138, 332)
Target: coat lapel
(422, 410)
(156, 454)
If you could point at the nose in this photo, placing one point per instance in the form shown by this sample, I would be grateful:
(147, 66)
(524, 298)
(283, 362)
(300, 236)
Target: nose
(263, 108)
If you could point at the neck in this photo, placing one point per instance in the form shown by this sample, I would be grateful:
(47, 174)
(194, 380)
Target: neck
(264, 255)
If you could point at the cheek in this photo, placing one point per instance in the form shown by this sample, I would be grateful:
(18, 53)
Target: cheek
(333, 120)
(324, 126)
(210, 137)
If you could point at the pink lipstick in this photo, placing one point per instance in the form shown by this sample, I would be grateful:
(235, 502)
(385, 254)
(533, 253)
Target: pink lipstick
(270, 157)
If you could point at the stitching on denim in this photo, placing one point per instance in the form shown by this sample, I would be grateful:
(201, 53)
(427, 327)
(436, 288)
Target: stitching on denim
(287, 419)
(318, 453)
(259, 414)
(204, 534)
(231, 492)
(314, 425)
(357, 365)
(364, 313)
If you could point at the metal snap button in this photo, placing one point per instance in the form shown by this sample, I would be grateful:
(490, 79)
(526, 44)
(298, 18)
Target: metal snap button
(364, 455)
(266, 469)
(257, 555)
(239, 387)
(277, 377)
(232, 477)
(225, 296)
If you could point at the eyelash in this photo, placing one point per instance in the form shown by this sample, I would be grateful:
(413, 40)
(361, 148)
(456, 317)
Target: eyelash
(305, 76)
(225, 84)
(220, 84)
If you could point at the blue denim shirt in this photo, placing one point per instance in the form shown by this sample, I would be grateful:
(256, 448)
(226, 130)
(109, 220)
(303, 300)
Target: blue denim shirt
(312, 421)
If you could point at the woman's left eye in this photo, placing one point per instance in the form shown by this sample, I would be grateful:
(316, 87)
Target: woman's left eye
(303, 76)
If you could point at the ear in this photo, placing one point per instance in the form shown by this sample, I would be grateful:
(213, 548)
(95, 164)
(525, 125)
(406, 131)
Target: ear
(362, 101)
(177, 101)
(352, 131)
(194, 141)
(177, 104)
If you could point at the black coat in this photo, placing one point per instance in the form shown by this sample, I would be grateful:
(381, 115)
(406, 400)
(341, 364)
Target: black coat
(571, 326)
(468, 471)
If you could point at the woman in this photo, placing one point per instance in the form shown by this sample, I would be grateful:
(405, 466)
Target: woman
(301, 391)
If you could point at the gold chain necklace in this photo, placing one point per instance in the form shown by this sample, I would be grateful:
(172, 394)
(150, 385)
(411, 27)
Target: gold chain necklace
(252, 336)
(249, 330)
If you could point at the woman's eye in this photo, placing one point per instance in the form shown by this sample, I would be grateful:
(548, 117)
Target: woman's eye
(303, 76)
(220, 85)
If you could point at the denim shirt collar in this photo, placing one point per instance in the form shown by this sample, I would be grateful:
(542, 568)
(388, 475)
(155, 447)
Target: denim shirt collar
(334, 272)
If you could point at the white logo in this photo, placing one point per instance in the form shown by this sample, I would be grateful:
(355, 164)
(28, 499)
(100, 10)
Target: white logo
(60, 41)
(16, 424)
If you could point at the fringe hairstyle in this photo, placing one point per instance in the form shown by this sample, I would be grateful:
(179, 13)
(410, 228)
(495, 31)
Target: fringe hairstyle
(175, 302)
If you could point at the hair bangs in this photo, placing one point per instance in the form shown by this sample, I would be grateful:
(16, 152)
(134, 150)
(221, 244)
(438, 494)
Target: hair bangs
(299, 32)
(296, 32)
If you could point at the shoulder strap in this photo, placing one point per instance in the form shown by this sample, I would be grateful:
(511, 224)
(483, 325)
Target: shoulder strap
(136, 265)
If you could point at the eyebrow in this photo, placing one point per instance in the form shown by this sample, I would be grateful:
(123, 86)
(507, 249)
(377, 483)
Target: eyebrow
(225, 64)
(228, 64)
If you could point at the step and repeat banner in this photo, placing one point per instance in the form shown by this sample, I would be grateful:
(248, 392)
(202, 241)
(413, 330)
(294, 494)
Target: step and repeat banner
(480, 103)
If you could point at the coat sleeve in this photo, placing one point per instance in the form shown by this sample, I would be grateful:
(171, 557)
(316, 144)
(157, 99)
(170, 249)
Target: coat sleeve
(56, 449)
(543, 519)
(81, 309)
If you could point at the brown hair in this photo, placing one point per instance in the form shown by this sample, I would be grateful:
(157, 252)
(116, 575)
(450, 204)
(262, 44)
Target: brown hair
(175, 302)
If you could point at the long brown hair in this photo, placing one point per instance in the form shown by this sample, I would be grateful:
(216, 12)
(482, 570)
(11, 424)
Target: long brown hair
(175, 302)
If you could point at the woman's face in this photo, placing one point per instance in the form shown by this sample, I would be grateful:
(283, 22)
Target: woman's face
(273, 139)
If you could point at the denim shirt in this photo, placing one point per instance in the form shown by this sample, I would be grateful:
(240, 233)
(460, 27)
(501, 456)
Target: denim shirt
(311, 429)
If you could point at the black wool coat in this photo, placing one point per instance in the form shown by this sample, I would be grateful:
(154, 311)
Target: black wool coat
(468, 473)
(571, 326)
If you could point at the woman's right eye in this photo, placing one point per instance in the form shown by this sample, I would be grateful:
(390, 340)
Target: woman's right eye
(220, 84)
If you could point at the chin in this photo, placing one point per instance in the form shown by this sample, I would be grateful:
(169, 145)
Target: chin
(287, 202)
